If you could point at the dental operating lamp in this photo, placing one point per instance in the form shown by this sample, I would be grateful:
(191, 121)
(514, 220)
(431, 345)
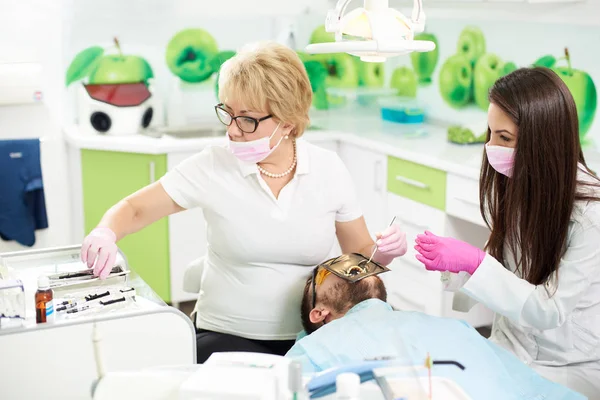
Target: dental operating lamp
(374, 32)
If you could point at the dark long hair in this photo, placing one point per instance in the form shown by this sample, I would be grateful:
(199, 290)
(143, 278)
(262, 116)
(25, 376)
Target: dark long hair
(529, 213)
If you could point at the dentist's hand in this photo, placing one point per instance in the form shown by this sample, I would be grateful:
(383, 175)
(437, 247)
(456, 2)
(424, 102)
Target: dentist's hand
(99, 250)
(391, 243)
(447, 254)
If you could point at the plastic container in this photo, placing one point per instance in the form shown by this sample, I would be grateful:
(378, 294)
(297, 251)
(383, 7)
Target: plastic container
(402, 110)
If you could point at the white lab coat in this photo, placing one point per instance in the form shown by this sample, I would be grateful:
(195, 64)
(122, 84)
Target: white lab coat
(554, 328)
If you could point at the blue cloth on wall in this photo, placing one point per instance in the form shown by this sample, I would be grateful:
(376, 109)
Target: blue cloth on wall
(22, 199)
(372, 329)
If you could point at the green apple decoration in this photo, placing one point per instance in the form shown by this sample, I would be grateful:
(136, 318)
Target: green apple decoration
(320, 35)
(488, 69)
(455, 81)
(317, 74)
(509, 67)
(342, 69)
(582, 89)
(215, 64)
(304, 56)
(404, 80)
(101, 68)
(461, 135)
(370, 74)
(424, 63)
(189, 53)
(218, 59)
(471, 43)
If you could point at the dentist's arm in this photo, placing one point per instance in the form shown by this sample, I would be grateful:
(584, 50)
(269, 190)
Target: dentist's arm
(545, 306)
(139, 210)
(354, 237)
(186, 186)
(131, 214)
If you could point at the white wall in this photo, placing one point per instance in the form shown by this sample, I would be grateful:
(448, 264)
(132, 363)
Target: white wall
(31, 31)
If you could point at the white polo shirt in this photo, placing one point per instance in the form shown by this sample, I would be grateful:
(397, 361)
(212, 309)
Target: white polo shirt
(261, 249)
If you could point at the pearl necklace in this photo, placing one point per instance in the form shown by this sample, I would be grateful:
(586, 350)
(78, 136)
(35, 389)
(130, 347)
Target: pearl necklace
(286, 172)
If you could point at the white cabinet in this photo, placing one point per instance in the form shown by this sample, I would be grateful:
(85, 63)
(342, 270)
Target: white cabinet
(368, 170)
(462, 199)
(410, 286)
(187, 240)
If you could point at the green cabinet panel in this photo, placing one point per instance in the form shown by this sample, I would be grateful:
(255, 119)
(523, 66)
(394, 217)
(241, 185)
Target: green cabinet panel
(417, 182)
(108, 177)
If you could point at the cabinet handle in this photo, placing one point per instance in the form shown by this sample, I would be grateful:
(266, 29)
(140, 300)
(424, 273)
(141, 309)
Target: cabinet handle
(152, 170)
(377, 183)
(412, 182)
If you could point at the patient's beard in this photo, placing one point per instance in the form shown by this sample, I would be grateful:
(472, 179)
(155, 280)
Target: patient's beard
(345, 295)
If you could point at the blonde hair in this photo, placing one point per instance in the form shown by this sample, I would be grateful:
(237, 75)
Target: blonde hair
(269, 77)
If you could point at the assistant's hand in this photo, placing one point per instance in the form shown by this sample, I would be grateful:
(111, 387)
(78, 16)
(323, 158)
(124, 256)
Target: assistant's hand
(391, 243)
(99, 249)
(447, 254)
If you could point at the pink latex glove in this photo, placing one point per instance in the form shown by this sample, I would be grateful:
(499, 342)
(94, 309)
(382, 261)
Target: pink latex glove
(391, 243)
(447, 254)
(100, 247)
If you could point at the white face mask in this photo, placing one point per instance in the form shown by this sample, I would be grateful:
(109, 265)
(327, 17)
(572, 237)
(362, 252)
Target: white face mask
(254, 151)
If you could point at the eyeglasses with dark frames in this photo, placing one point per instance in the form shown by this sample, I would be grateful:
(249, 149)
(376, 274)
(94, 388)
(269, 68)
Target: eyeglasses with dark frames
(246, 124)
(319, 275)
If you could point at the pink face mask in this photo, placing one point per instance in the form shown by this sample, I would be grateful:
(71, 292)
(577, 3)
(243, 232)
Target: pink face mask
(502, 159)
(254, 151)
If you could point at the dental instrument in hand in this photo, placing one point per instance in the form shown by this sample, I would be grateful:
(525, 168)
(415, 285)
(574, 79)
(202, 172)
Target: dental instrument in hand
(375, 249)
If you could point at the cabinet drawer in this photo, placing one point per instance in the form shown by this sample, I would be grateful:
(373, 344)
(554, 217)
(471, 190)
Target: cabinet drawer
(462, 200)
(409, 295)
(417, 182)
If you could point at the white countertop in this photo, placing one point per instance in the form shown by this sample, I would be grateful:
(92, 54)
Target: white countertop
(421, 143)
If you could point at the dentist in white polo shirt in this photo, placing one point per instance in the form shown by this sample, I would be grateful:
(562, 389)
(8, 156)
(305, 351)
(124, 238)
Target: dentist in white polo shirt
(273, 204)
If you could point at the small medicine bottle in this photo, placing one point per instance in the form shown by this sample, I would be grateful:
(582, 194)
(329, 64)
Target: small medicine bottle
(347, 386)
(44, 301)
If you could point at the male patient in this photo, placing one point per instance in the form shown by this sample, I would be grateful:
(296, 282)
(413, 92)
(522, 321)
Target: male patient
(350, 322)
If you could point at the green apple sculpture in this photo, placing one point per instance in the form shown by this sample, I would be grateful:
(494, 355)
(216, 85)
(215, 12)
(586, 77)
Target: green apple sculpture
(317, 74)
(216, 62)
(370, 74)
(404, 80)
(488, 69)
(582, 89)
(320, 35)
(189, 53)
(342, 69)
(455, 80)
(101, 68)
(471, 43)
(508, 68)
(424, 63)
